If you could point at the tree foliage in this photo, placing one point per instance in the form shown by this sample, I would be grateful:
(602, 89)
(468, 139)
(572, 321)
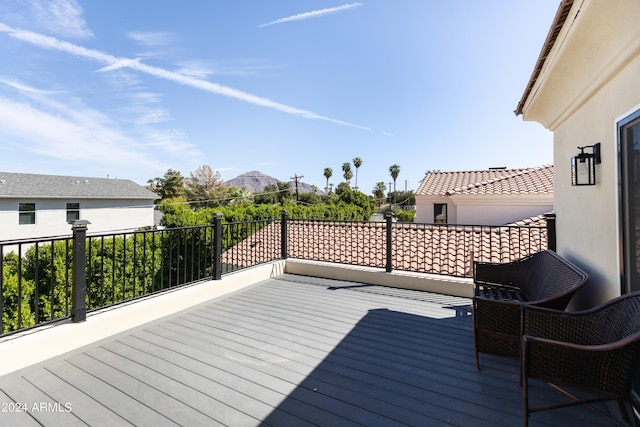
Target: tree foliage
(275, 193)
(205, 187)
(328, 172)
(357, 162)
(378, 192)
(170, 186)
(347, 174)
(394, 171)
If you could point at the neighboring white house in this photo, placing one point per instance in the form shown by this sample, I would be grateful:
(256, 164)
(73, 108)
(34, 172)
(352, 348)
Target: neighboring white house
(34, 205)
(585, 88)
(494, 196)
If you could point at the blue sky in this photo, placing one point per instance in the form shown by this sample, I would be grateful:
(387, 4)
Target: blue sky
(129, 89)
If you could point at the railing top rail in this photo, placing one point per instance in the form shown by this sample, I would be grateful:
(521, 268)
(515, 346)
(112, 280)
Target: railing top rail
(336, 221)
(34, 240)
(255, 221)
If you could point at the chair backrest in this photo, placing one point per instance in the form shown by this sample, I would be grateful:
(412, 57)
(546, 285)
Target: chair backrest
(551, 276)
(615, 320)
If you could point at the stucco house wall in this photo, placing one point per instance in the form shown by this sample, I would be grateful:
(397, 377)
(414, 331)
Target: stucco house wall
(51, 217)
(108, 204)
(588, 83)
(486, 197)
(500, 212)
(486, 210)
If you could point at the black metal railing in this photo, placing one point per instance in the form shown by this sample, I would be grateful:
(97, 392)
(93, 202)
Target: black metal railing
(425, 248)
(44, 280)
(35, 282)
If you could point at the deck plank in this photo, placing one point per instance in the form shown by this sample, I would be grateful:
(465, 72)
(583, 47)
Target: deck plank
(291, 351)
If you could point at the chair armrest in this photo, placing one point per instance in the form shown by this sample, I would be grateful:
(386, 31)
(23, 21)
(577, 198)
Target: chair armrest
(605, 367)
(607, 322)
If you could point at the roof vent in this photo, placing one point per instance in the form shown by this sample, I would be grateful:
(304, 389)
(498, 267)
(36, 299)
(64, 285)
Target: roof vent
(3, 181)
(497, 168)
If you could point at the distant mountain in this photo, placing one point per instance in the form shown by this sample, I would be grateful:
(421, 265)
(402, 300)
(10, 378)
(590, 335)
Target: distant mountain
(255, 182)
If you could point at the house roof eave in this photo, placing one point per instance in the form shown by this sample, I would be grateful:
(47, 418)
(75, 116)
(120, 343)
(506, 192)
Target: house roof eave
(558, 22)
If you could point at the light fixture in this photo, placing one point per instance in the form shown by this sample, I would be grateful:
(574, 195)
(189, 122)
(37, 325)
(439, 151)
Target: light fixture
(583, 165)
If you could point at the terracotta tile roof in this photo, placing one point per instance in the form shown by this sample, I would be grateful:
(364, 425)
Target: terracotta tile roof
(534, 221)
(536, 180)
(427, 248)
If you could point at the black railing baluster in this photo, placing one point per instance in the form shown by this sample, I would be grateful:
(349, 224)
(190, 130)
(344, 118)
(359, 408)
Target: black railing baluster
(2, 289)
(67, 284)
(388, 216)
(133, 265)
(79, 288)
(551, 230)
(36, 279)
(113, 269)
(217, 246)
(90, 290)
(284, 234)
(19, 286)
(102, 270)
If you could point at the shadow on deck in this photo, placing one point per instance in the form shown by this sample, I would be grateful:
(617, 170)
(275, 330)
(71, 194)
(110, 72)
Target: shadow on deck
(291, 351)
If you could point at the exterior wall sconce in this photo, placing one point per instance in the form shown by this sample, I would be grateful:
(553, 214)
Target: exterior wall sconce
(583, 165)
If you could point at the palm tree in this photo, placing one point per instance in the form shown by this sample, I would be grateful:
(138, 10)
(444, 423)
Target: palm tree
(346, 168)
(327, 174)
(394, 170)
(378, 192)
(357, 162)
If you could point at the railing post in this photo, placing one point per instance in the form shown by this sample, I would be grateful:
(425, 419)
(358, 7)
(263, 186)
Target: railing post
(551, 230)
(388, 216)
(284, 234)
(217, 246)
(79, 288)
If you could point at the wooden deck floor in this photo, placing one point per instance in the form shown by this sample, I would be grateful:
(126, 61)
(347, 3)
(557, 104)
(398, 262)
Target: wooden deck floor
(290, 351)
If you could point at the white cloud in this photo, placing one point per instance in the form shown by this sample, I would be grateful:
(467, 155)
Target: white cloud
(151, 39)
(60, 45)
(121, 63)
(65, 138)
(312, 14)
(113, 62)
(61, 17)
(146, 109)
(195, 69)
(69, 131)
(24, 88)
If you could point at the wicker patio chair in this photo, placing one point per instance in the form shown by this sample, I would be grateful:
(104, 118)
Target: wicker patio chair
(594, 352)
(543, 279)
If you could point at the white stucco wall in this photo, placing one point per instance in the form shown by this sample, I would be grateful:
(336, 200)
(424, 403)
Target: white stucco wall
(484, 210)
(588, 217)
(498, 215)
(51, 217)
(589, 82)
(424, 209)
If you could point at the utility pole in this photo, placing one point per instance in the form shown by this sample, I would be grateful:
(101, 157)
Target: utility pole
(296, 178)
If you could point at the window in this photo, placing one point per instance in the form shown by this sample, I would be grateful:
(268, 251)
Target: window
(440, 213)
(73, 212)
(26, 213)
(629, 146)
